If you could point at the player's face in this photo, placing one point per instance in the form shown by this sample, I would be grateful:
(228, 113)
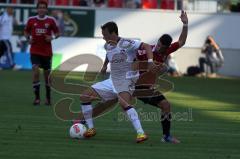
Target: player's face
(42, 10)
(10, 11)
(106, 35)
(160, 47)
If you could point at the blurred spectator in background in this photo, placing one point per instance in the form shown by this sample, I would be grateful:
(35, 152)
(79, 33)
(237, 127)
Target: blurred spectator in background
(83, 3)
(58, 15)
(115, 3)
(27, 1)
(149, 4)
(6, 29)
(213, 57)
(132, 4)
(62, 2)
(180, 4)
(173, 69)
(167, 4)
(99, 3)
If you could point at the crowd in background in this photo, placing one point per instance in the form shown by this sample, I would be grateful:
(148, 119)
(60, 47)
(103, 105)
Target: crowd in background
(219, 5)
(212, 60)
(105, 3)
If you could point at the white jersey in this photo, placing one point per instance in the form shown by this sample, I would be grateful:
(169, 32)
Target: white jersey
(121, 57)
(6, 26)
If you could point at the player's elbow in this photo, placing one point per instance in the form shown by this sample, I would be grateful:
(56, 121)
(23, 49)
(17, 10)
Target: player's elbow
(182, 43)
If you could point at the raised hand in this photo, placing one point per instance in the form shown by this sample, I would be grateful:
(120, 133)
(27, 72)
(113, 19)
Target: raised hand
(184, 17)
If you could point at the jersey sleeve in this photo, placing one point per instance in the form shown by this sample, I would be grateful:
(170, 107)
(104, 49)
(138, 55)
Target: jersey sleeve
(55, 27)
(129, 44)
(173, 47)
(136, 44)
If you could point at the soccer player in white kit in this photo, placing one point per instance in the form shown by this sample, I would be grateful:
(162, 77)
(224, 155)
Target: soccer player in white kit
(6, 29)
(120, 53)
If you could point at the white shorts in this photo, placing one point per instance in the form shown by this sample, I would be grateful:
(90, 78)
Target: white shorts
(123, 85)
(105, 90)
(110, 88)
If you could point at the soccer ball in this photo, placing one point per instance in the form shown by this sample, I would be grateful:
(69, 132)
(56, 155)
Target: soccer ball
(77, 130)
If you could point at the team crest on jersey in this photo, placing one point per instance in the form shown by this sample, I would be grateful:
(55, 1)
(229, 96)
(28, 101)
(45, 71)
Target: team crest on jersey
(46, 25)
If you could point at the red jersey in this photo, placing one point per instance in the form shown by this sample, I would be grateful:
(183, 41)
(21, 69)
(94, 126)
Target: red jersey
(38, 28)
(158, 57)
(150, 78)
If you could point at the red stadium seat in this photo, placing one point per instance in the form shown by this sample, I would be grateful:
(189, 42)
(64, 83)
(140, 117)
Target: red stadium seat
(62, 2)
(115, 3)
(167, 4)
(149, 4)
(75, 2)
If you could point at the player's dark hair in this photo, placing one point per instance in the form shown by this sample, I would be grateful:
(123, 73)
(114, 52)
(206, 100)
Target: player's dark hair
(42, 2)
(111, 27)
(166, 40)
(208, 41)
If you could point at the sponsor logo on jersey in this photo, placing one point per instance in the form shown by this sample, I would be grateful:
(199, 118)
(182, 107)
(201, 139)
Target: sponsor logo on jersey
(41, 31)
(119, 58)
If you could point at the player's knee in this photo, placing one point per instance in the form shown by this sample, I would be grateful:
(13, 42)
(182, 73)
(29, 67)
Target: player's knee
(165, 106)
(35, 67)
(87, 96)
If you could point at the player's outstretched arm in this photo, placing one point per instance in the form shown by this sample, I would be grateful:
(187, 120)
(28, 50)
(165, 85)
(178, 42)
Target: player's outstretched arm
(183, 37)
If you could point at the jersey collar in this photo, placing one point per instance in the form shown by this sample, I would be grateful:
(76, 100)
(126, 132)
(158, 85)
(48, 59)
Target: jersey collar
(44, 18)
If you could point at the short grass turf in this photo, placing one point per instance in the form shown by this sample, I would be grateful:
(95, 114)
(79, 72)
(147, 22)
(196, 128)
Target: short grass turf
(206, 118)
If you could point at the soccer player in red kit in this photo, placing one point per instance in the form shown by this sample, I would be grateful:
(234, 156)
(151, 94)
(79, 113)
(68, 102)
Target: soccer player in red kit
(161, 52)
(40, 30)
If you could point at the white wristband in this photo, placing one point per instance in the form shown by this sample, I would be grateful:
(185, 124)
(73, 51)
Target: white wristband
(150, 60)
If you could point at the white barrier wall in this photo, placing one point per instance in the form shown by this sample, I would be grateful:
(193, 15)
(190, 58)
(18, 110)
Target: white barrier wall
(150, 25)
(186, 57)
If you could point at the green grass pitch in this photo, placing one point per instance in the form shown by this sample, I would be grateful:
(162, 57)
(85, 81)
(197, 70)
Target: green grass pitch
(207, 121)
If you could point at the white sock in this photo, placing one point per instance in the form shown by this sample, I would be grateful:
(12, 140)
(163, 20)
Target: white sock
(133, 116)
(87, 113)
